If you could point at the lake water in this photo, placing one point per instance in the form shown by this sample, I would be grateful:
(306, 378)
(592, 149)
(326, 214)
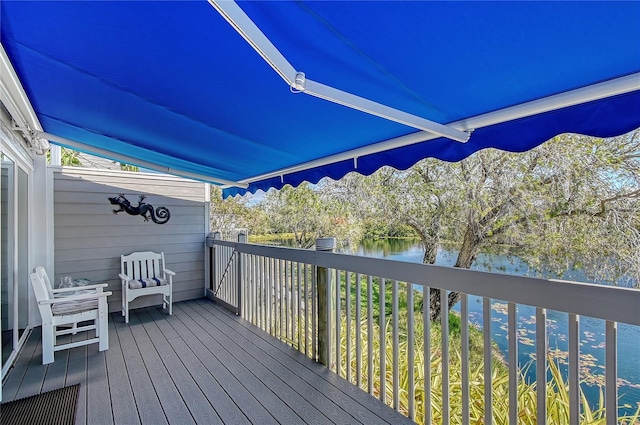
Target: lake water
(592, 340)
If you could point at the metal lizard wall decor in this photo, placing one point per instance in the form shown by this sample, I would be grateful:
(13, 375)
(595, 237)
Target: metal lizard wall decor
(160, 216)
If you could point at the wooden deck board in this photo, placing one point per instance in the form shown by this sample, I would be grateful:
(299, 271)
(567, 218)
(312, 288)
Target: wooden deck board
(308, 399)
(277, 349)
(56, 371)
(271, 399)
(198, 405)
(202, 365)
(29, 353)
(123, 404)
(172, 402)
(147, 403)
(232, 385)
(33, 378)
(77, 374)
(98, 396)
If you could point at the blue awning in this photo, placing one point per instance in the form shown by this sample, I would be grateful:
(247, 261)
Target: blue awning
(173, 83)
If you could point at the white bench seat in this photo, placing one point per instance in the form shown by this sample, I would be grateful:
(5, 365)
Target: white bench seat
(144, 273)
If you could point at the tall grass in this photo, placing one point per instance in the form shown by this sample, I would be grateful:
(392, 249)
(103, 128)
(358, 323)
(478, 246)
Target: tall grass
(557, 387)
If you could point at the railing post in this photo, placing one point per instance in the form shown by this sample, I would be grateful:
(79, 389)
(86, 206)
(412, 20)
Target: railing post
(242, 238)
(213, 259)
(323, 296)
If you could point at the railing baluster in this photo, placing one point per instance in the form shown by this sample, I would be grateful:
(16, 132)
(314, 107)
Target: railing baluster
(410, 354)
(464, 353)
(292, 302)
(276, 298)
(287, 299)
(396, 346)
(574, 369)
(234, 282)
(248, 297)
(229, 278)
(272, 297)
(314, 316)
(347, 301)
(298, 330)
(328, 317)
(444, 325)
(370, 333)
(265, 294)
(513, 363)
(233, 288)
(256, 283)
(259, 292)
(486, 330)
(358, 332)
(611, 372)
(383, 344)
(337, 323)
(281, 296)
(541, 365)
(426, 351)
(226, 276)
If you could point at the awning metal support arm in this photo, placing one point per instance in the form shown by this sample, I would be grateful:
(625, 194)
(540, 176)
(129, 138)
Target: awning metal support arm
(297, 82)
(139, 162)
(340, 97)
(591, 93)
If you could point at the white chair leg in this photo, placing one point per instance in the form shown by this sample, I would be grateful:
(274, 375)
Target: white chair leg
(101, 328)
(125, 303)
(170, 304)
(48, 341)
(124, 297)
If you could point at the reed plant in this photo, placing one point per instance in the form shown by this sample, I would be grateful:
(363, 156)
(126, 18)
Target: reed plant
(557, 387)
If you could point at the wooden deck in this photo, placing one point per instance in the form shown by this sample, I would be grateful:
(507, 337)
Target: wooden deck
(202, 365)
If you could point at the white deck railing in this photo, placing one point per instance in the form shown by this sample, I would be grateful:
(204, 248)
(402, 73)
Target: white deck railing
(276, 289)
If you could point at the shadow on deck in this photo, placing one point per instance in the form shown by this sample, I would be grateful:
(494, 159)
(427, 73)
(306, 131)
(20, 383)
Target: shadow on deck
(202, 365)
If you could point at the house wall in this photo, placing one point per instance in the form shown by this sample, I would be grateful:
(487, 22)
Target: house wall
(89, 238)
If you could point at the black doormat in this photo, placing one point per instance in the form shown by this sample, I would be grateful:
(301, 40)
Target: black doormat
(57, 407)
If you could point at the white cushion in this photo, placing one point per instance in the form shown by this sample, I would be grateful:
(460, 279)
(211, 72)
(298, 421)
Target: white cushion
(72, 307)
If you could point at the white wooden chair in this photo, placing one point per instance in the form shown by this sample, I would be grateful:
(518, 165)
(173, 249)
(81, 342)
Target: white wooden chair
(70, 310)
(144, 273)
(65, 292)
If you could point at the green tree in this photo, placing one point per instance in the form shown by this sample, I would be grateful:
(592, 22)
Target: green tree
(128, 167)
(233, 213)
(310, 213)
(571, 202)
(68, 157)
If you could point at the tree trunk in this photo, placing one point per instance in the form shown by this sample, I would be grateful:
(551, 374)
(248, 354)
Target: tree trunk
(430, 251)
(468, 252)
(429, 238)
